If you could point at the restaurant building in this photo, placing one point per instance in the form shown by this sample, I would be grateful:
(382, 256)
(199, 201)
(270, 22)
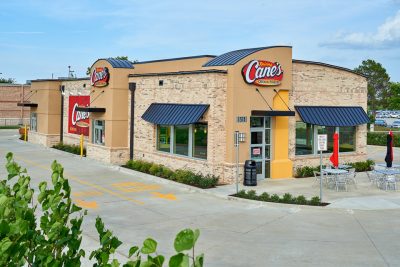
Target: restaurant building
(184, 112)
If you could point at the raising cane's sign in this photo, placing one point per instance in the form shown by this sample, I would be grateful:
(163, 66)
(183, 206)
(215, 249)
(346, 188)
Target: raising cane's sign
(262, 72)
(100, 77)
(78, 121)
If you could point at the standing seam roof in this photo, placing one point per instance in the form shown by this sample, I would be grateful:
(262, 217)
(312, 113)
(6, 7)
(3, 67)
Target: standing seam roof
(233, 57)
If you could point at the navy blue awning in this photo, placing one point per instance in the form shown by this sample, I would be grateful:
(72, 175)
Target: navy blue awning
(332, 115)
(174, 114)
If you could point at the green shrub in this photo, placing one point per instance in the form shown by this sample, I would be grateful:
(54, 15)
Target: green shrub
(315, 201)
(305, 171)
(264, 197)
(275, 198)
(379, 139)
(301, 200)
(155, 169)
(74, 149)
(251, 194)
(182, 176)
(286, 198)
(362, 166)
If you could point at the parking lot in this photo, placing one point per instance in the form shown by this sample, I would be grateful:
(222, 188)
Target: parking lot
(233, 233)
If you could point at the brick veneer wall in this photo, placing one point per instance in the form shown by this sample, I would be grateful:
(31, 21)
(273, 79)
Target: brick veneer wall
(10, 95)
(206, 88)
(322, 85)
(73, 88)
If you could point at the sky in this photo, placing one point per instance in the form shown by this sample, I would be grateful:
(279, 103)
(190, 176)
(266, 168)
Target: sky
(39, 39)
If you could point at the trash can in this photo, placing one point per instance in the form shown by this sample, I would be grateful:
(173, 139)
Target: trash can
(250, 173)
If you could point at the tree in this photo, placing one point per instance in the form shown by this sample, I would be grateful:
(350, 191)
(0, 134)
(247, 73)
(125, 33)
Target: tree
(394, 100)
(118, 57)
(378, 83)
(9, 80)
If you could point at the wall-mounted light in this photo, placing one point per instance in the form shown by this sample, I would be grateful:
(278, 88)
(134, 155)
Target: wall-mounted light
(242, 137)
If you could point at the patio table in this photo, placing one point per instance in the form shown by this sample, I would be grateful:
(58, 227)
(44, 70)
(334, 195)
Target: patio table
(344, 166)
(388, 172)
(396, 166)
(334, 171)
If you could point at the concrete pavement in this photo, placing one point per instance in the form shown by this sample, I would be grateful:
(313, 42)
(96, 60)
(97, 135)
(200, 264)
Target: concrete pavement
(233, 233)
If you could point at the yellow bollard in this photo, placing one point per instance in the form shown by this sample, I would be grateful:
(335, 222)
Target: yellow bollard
(25, 133)
(81, 145)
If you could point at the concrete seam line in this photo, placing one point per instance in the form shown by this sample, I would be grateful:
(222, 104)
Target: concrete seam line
(370, 239)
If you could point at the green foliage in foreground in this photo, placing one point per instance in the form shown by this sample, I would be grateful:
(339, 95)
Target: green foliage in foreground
(286, 198)
(180, 176)
(74, 149)
(380, 139)
(53, 236)
(360, 166)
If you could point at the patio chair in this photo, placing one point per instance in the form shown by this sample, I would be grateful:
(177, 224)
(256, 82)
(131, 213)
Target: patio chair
(341, 181)
(351, 177)
(317, 176)
(388, 182)
(373, 178)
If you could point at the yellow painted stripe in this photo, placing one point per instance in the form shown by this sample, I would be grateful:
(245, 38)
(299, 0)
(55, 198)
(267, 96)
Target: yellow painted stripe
(76, 179)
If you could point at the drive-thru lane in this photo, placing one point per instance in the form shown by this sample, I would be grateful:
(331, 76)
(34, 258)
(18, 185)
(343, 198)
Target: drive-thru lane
(233, 233)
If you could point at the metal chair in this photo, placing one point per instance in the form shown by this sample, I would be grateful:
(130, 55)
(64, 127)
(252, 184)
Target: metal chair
(351, 177)
(389, 181)
(373, 178)
(317, 176)
(341, 181)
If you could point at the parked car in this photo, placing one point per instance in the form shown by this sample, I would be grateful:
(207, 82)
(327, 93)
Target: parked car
(396, 124)
(380, 123)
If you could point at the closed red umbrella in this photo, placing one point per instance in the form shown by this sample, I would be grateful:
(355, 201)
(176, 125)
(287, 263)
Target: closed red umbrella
(335, 155)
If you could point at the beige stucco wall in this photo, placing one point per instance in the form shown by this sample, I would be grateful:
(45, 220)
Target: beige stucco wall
(205, 88)
(314, 85)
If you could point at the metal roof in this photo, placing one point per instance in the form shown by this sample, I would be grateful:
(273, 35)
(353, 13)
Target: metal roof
(233, 57)
(174, 114)
(118, 63)
(332, 115)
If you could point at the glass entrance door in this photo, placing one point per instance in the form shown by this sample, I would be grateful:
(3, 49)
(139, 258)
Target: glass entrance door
(260, 145)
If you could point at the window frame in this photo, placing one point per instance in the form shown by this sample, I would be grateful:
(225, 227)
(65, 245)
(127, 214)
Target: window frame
(172, 142)
(103, 128)
(33, 117)
(315, 141)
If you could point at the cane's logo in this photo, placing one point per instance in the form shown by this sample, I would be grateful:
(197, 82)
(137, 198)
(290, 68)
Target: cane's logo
(262, 72)
(78, 121)
(78, 117)
(100, 77)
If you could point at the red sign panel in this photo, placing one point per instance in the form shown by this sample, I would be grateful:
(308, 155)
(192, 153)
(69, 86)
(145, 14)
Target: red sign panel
(262, 72)
(78, 121)
(100, 77)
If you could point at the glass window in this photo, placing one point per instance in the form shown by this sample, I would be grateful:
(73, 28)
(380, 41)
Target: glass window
(200, 141)
(164, 138)
(33, 126)
(256, 122)
(347, 139)
(256, 138)
(99, 132)
(328, 131)
(304, 138)
(181, 144)
(268, 122)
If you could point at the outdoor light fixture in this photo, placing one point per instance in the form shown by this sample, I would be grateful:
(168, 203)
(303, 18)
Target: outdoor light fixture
(242, 137)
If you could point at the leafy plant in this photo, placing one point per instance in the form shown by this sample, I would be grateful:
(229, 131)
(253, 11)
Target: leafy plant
(180, 175)
(55, 238)
(74, 149)
(286, 198)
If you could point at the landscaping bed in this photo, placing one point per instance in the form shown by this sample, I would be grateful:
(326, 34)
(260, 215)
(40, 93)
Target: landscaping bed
(74, 149)
(181, 176)
(360, 166)
(286, 198)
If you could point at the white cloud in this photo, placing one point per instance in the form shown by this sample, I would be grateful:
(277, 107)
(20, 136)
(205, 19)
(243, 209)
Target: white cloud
(386, 36)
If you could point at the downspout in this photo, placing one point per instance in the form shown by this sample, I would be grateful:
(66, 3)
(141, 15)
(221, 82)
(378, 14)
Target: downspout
(62, 88)
(132, 88)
